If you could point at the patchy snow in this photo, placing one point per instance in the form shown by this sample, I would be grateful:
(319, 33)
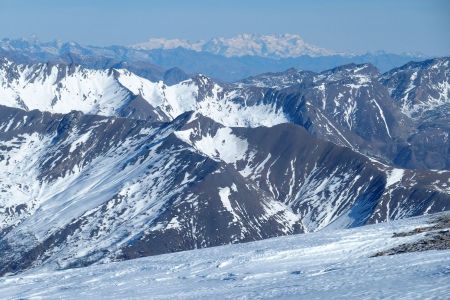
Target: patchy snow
(424, 86)
(349, 112)
(18, 177)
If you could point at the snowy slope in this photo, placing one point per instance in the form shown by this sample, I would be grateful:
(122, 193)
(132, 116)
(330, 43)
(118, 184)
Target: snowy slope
(118, 92)
(223, 103)
(59, 88)
(324, 265)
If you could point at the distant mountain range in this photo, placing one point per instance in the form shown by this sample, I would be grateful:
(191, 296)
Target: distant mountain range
(272, 46)
(222, 59)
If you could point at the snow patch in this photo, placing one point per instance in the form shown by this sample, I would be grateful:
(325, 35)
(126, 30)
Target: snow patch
(81, 140)
(394, 176)
(224, 194)
(224, 145)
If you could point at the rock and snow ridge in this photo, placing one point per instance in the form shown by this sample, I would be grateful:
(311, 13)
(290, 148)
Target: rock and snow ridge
(421, 90)
(109, 199)
(272, 45)
(349, 105)
(334, 264)
(81, 189)
(420, 87)
(118, 92)
(60, 89)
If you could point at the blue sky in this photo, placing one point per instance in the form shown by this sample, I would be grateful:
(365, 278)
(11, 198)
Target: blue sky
(343, 25)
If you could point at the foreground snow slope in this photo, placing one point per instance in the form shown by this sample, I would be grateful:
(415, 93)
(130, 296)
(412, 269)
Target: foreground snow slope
(323, 265)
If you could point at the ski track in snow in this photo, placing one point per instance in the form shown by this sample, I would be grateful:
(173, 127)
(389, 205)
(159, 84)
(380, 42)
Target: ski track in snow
(323, 265)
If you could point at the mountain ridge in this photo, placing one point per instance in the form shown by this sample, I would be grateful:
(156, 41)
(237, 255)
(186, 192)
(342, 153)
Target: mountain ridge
(108, 188)
(350, 105)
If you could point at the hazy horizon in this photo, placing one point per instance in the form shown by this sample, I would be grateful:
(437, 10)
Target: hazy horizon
(415, 26)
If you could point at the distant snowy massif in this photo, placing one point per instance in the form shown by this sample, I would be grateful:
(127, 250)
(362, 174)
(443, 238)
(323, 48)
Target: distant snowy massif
(106, 157)
(274, 46)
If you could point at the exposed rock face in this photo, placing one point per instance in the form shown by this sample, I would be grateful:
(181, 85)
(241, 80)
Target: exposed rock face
(435, 237)
(420, 87)
(422, 91)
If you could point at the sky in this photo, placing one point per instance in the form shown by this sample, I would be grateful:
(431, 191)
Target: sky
(398, 26)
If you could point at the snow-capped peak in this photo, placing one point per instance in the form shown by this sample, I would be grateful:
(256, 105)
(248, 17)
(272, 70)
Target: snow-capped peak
(60, 88)
(271, 45)
(118, 92)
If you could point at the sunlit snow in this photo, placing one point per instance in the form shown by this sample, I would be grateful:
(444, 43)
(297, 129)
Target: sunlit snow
(324, 265)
